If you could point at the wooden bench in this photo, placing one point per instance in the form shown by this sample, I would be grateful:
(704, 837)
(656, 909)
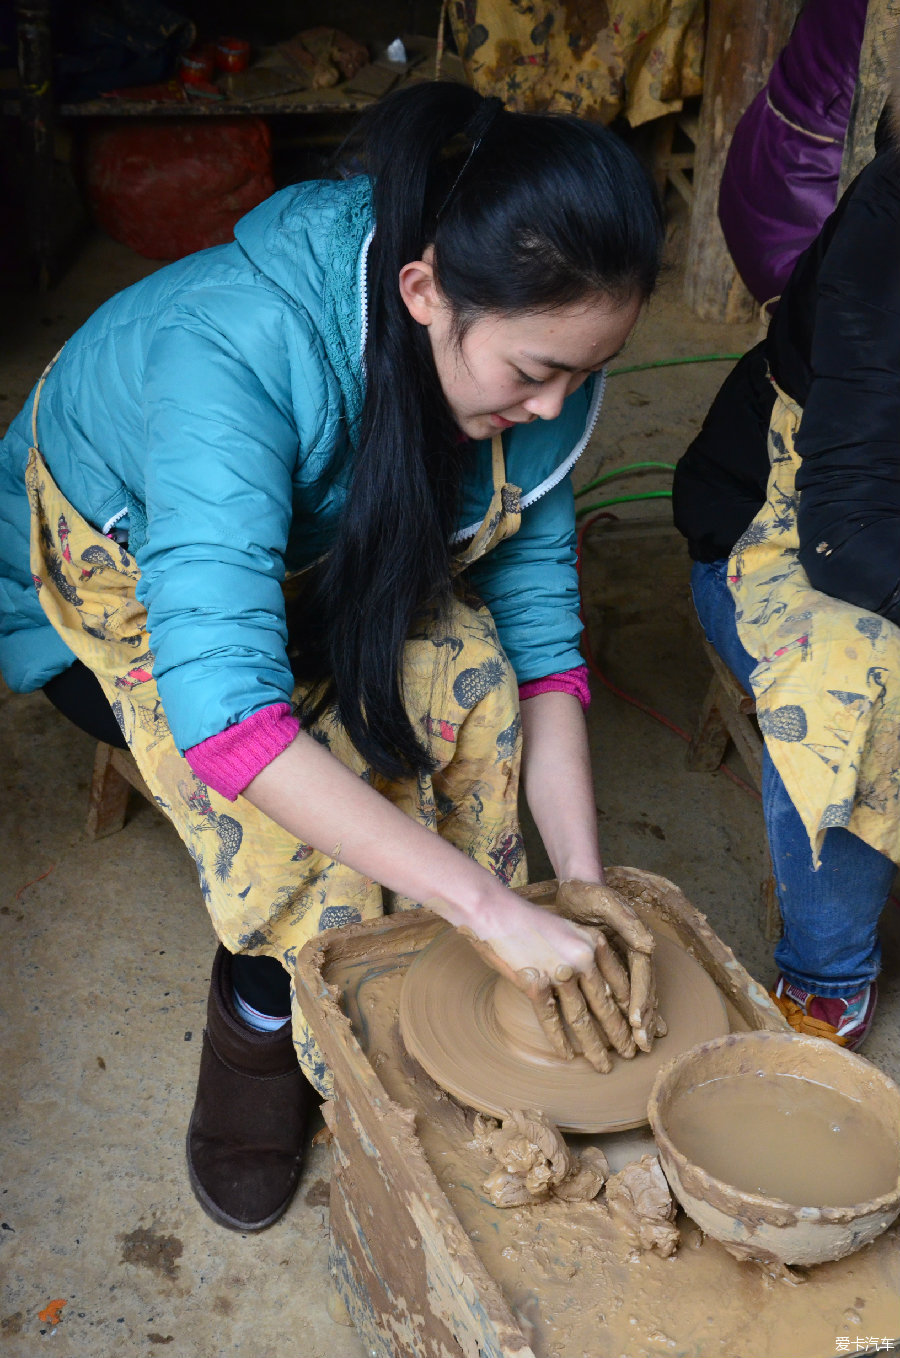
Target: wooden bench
(728, 717)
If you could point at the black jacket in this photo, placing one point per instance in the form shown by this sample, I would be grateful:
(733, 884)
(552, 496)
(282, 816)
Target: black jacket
(834, 347)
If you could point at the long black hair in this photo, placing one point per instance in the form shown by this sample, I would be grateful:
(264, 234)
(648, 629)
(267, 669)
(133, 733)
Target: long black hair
(525, 212)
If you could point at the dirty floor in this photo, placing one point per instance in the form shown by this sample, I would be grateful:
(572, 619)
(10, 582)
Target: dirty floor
(105, 946)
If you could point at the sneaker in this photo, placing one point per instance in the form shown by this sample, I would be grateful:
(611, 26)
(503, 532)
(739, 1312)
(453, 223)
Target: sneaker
(845, 1021)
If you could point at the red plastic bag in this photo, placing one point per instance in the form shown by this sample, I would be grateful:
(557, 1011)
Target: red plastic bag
(169, 188)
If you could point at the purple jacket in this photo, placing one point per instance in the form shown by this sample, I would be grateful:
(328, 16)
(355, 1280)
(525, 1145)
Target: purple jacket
(781, 174)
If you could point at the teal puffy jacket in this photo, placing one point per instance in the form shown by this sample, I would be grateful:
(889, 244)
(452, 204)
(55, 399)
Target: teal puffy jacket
(207, 409)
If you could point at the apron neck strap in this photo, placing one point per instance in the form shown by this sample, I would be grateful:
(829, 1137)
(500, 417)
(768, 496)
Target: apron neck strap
(503, 515)
(37, 396)
(498, 462)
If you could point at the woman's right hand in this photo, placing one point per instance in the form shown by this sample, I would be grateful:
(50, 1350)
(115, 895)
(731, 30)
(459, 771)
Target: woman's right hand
(580, 990)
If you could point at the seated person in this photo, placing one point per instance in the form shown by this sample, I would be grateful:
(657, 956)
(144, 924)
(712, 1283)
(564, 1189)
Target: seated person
(790, 501)
(781, 173)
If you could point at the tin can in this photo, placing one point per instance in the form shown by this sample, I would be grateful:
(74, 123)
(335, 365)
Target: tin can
(232, 55)
(195, 67)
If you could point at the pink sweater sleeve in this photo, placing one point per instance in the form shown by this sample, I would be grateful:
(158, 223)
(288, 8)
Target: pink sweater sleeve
(570, 681)
(230, 760)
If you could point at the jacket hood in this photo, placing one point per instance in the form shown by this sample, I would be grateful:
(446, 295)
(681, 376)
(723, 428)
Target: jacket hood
(311, 241)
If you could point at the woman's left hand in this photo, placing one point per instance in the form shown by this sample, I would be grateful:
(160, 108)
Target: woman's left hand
(634, 989)
(578, 987)
(560, 788)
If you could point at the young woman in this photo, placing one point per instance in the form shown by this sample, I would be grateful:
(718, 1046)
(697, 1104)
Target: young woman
(337, 450)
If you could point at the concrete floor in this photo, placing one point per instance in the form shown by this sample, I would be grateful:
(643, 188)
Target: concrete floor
(106, 946)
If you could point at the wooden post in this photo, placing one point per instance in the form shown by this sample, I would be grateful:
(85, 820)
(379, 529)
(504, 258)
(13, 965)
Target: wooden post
(879, 50)
(742, 40)
(109, 796)
(115, 774)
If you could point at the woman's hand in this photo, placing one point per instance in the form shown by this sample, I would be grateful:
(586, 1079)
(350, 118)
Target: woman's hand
(564, 968)
(560, 789)
(634, 990)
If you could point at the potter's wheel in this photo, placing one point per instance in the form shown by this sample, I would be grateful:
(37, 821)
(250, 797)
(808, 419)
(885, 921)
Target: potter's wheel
(477, 1036)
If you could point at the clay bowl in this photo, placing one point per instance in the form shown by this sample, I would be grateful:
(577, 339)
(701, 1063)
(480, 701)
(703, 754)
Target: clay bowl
(749, 1225)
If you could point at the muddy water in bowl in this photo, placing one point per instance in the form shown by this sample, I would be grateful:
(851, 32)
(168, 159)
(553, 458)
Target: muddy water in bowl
(767, 1183)
(786, 1137)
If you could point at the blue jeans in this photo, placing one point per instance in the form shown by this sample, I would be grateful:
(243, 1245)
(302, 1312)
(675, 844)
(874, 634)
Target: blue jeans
(830, 944)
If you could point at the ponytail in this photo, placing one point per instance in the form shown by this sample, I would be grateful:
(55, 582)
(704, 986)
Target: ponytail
(525, 212)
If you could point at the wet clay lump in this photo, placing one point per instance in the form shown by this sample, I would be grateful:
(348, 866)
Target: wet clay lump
(534, 1161)
(786, 1138)
(478, 1037)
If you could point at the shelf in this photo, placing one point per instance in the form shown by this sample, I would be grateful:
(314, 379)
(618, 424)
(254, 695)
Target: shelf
(337, 99)
(302, 101)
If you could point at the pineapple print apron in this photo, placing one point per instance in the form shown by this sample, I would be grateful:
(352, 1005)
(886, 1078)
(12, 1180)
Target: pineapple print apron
(265, 892)
(827, 681)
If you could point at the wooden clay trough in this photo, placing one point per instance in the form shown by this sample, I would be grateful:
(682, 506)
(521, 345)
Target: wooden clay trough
(426, 1266)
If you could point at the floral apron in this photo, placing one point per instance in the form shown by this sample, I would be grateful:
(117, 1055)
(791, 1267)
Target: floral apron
(267, 893)
(827, 681)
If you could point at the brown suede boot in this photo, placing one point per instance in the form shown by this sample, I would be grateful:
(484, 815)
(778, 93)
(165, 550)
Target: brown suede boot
(245, 1139)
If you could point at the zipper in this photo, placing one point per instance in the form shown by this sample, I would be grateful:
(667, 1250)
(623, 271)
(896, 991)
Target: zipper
(111, 523)
(363, 298)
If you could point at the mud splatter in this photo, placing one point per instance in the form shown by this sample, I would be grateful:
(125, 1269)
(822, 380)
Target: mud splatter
(12, 1324)
(318, 1194)
(147, 1249)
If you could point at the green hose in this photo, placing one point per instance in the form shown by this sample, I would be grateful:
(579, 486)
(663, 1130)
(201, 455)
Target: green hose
(625, 471)
(643, 466)
(673, 362)
(624, 500)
